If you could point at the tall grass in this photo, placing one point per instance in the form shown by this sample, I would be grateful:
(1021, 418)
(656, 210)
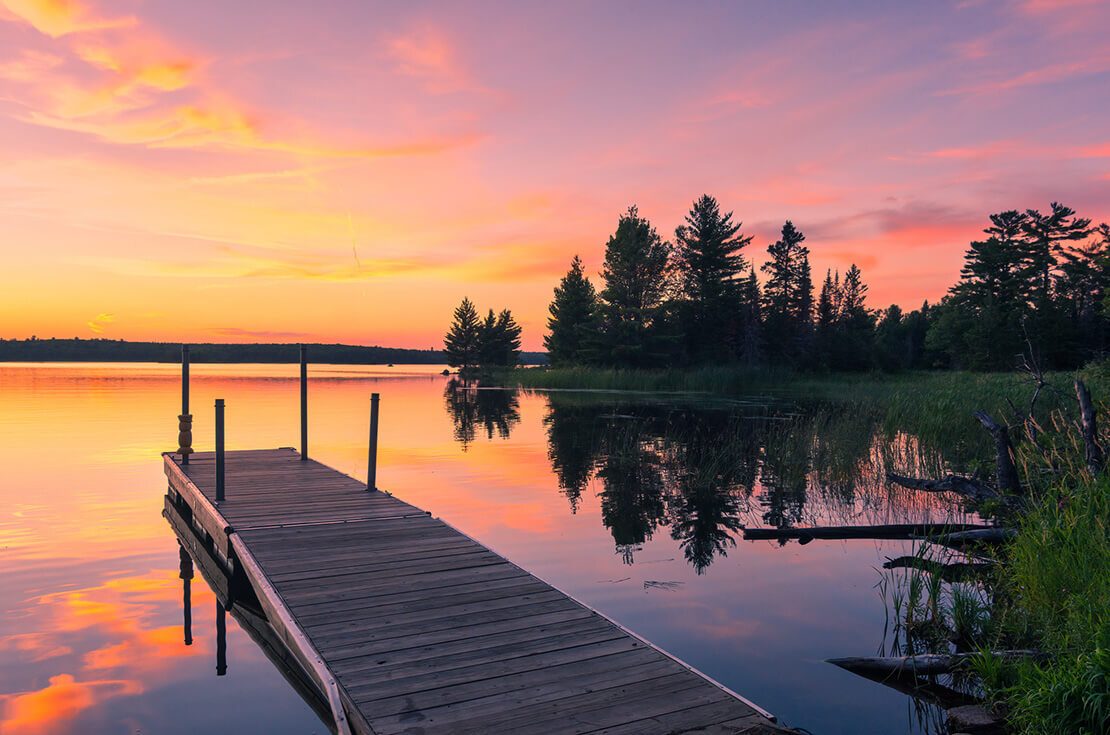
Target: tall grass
(1057, 578)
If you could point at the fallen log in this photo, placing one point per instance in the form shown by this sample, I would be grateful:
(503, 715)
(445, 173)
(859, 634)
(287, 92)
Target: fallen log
(923, 664)
(897, 531)
(960, 571)
(990, 535)
(950, 484)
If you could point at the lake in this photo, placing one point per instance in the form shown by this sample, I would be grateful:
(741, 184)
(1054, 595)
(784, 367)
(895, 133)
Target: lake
(633, 504)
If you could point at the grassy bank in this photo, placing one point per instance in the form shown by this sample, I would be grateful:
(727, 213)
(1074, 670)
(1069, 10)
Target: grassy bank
(1055, 587)
(935, 406)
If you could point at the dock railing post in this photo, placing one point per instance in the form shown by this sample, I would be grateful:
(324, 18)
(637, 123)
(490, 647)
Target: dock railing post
(219, 449)
(304, 403)
(372, 465)
(185, 420)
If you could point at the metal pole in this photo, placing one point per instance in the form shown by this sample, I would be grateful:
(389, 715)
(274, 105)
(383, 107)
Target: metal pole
(372, 467)
(219, 449)
(221, 640)
(304, 403)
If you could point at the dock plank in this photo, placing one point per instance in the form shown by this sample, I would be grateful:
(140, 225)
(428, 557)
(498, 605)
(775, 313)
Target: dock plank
(423, 629)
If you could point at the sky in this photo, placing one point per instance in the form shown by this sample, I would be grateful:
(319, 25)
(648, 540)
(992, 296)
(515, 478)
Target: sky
(349, 171)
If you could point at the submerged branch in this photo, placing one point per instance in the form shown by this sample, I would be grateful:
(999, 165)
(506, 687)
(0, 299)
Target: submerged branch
(951, 572)
(902, 531)
(951, 484)
(923, 664)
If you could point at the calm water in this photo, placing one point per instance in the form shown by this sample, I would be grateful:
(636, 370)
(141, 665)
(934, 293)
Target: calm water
(633, 506)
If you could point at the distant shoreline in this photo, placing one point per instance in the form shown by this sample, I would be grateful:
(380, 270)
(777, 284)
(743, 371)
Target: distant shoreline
(105, 350)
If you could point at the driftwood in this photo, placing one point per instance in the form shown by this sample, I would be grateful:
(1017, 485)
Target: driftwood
(961, 571)
(950, 484)
(1006, 475)
(923, 664)
(985, 535)
(1089, 428)
(903, 531)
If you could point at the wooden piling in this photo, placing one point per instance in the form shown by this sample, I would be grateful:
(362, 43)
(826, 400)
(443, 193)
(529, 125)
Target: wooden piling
(219, 449)
(372, 466)
(304, 403)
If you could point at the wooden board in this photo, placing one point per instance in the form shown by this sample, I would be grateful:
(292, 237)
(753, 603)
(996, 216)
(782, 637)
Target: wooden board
(425, 630)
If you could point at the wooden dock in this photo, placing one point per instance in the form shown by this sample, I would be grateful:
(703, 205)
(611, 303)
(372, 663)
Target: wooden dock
(407, 625)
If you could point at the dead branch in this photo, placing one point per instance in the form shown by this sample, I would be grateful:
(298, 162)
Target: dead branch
(1089, 428)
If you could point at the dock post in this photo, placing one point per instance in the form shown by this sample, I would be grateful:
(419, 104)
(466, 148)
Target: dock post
(185, 420)
(221, 639)
(185, 563)
(304, 403)
(372, 466)
(219, 449)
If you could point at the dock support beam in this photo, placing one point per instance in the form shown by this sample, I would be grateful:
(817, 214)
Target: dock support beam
(219, 449)
(185, 420)
(372, 465)
(221, 639)
(304, 403)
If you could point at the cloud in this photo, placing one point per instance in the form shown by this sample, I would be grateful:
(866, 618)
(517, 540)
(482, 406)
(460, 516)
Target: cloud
(1044, 75)
(139, 89)
(64, 698)
(257, 333)
(427, 54)
(99, 322)
(57, 18)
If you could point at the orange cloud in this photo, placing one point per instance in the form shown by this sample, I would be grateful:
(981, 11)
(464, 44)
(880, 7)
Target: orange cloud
(57, 18)
(42, 711)
(99, 322)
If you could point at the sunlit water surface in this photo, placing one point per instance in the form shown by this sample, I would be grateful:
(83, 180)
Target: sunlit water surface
(633, 507)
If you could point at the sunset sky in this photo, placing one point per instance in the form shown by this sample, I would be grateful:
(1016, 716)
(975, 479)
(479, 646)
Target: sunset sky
(348, 171)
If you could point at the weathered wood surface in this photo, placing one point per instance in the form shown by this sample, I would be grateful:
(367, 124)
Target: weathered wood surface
(423, 629)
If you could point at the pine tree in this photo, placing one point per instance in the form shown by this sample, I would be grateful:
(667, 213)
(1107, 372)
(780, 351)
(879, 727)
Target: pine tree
(509, 333)
(751, 347)
(788, 297)
(710, 263)
(637, 274)
(573, 312)
(461, 344)
(499, 340)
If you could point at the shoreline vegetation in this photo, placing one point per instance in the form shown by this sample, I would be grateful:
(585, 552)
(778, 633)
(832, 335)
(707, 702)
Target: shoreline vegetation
(1042, 587)
(109, 350)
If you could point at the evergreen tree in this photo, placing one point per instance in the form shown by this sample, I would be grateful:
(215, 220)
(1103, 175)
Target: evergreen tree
(855, 331)
(573, 312)
(751, 351)
(1044, 234)
(709, 260)
(499, 340)
(788, 297)
(637, 275)
(461, 343)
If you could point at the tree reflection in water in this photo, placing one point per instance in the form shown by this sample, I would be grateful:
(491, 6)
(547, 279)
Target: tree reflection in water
(706, 469)
(471, 407)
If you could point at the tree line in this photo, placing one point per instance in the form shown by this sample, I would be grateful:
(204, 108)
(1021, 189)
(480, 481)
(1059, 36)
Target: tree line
(1036, 285)
(473, 342)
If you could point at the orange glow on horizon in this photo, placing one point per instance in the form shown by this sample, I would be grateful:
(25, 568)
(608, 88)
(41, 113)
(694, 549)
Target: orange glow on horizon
(198, 178)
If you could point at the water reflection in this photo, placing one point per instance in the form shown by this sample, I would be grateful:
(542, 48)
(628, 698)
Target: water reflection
(704, 470)
(472, 407)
